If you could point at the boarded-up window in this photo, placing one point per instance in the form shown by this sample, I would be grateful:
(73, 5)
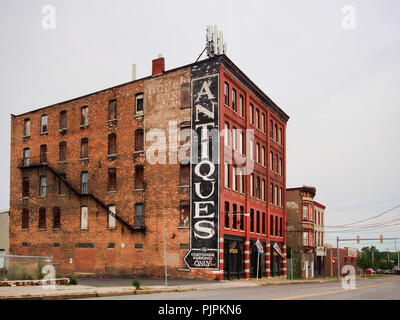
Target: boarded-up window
(43, 153)
(112, 110)
(63, 119)
(62, 187)
(112, 179)
(25, 218)
(185, 95)
(111, 218)
(184, 217)
(84, 218)
(56, 218)
(63, 151)
(84, 116)
(139, 177)
(139, 140)
(25, 187)
(27, 127)
(42, 218)
(84, 148)
(112, 144)
(185, 174)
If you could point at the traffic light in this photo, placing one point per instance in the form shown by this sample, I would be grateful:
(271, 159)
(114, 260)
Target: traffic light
(381, 237)
(333, 261)
(358, 239)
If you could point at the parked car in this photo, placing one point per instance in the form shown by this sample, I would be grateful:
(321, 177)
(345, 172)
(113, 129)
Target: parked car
(369, 272)
(380, 271)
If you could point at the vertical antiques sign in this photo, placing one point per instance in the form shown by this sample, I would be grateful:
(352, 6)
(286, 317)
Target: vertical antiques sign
(204, 198)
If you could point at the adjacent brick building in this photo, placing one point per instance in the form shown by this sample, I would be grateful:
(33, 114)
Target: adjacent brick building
(305, 230)
(84, 190)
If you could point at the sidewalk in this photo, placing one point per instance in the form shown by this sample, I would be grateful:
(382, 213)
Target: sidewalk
(83, 291)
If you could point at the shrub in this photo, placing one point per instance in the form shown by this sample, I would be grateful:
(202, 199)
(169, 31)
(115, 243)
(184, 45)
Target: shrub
(136, 284)
(72, 281)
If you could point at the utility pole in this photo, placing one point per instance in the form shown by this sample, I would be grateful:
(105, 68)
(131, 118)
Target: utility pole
(372, 251)
(338, 258)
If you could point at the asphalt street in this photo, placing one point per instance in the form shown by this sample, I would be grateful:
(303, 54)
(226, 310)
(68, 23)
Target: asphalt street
(383, 288)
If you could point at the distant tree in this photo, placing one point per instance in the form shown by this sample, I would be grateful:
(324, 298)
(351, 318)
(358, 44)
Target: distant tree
(364, 261)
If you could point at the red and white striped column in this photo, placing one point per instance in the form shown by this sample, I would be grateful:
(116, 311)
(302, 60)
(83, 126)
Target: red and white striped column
(247, 259)
(220, 272)
(284, 262)
(268, 261)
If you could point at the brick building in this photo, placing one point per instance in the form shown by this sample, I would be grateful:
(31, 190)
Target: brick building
(347, 257)
(4, 226)
(305, 230)
(85, 190)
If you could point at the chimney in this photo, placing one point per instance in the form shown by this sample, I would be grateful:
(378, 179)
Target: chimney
(158, 66)
(134, 72)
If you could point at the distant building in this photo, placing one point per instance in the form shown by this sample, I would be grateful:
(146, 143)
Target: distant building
(4, 226)
(305, 230)
(347, 256)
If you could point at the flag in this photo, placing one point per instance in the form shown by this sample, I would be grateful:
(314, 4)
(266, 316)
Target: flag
(277, 249)
(259, 246)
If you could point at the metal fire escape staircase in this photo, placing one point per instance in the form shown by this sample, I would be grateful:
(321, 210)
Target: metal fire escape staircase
(24, 164)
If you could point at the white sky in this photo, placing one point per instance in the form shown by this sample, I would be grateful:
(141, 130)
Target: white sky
(339, 86)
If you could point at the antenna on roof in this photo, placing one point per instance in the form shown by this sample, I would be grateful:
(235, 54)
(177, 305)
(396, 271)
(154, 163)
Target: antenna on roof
(215, 44)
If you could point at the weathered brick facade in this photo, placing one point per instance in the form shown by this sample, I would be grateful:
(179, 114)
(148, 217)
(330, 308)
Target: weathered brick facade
(131, 248)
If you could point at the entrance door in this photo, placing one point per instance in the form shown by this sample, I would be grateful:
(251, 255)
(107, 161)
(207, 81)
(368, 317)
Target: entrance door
(233, 259)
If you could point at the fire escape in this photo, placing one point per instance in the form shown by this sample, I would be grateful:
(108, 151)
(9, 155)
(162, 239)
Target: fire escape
(32, 163)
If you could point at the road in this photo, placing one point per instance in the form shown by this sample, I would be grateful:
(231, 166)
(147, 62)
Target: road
(382, 288)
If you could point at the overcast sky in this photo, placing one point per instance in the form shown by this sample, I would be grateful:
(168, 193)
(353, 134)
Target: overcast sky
(336, 77)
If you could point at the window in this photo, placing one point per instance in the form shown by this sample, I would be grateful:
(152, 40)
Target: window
(276, 163)
(226, 94)
(241, 141)
(234, 108)
(280, 197)
(252, 149)
(84, 218)
(84, 116)
(84, 148)
(112, 144)
(263, 122)
(111, 216)
(258, 222)
(25, 187)
(305, 239)
(185, 174)
(234, 177)
(26, 157)
(56, 218)
(226, 175)
(263, 190)
(276, 132)
(271, 162)
(226, 134)
(42, 218)
(112, 110)
(139, 140)
(139, 103)
(280, 136)
(280, 166)
(25, 219)
(112, 179)
(263, 223)
(258, 152)
(84, 182)
(305, 212)
(251, 185)
(227, 214)
(241, 180)
(234, 216)
(27, 127)
(43, 124)
(139, 215)
(271, 225)
(276, 226)
(62, 155)
(251, 220)
(42, 186)
(234, 138)
(258, 118)
(258, 188)
(43, 153)
(184, 217)
(139, 177)
(241, 221)
(241, 106)
(276, 195)
(280, 227)
(271, 130)
(263, 156)
(271, 186)
(251, 114)
(62, 187)
(63, 120)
